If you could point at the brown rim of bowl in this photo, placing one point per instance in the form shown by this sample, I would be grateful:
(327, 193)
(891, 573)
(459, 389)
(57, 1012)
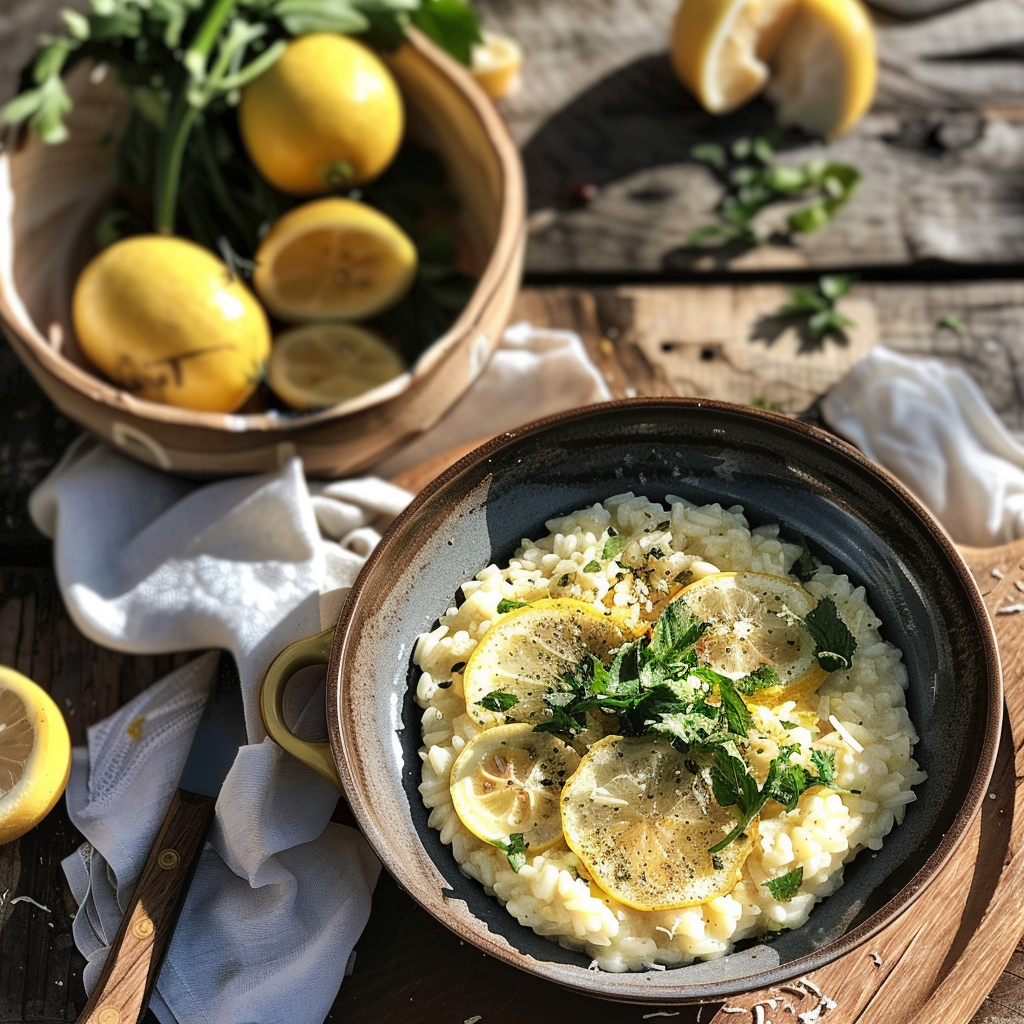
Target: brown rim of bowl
(510, 238)
(624, 987)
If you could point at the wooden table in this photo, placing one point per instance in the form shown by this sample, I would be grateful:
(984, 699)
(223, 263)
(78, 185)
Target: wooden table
(936, 230)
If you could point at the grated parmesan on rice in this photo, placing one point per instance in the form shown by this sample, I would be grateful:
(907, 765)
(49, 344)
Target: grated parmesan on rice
(860, 713)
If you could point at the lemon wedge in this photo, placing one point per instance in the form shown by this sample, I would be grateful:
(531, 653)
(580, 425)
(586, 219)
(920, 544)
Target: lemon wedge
(495, 63)
(631, 814)
(744, 611)
(720, 48)
(317, 365)
(35, 754)
(525, 653)
(333, 259)
(508, 780)
(824, 68)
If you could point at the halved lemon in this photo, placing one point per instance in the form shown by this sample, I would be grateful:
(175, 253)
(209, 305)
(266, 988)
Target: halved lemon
(632, 816)
(495, 63)
(824, 68)
(35, 754)
(333, 259)
(508, 780)
(526, 652)
(317, 365)
(748, 628)
(720, 48)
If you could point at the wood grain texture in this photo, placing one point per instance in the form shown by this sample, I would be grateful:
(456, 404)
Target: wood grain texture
(133, 964)
(941, 150)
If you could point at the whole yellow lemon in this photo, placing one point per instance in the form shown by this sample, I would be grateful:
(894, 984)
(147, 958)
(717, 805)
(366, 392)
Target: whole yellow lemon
(327, 114)
(164, 319)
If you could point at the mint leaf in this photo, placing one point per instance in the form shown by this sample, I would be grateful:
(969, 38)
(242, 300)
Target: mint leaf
(498, 701)
(833, 641)
(677, 628)
(786, 886)
(514, 850)
(452, 24)
(505, 605)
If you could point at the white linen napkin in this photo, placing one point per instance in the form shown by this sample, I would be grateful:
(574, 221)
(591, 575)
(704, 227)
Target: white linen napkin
(930, 425)
(149, 563)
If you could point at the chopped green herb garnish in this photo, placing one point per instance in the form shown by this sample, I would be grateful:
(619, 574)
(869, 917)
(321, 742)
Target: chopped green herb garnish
(614, 546)
(505, 605)
(824, 762)
(760, 679)
(834, 644)
(498, 701)
(786, 886)
(805, 567)
(514, 850)
(592, 566)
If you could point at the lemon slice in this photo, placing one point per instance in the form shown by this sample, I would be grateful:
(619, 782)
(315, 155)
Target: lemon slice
(509, 779)
(526, 652)
(35, 754)
(748, 629)
(321, 364)
(824, 68)
(631, 815)
(720, 48)
(495, 63)
(333, 259)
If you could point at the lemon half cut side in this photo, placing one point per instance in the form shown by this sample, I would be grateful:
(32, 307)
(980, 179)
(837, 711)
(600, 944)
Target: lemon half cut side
(318, 365)
(526, 652)
(748, 628)
(509, 779)
(35, 754)
(632, 816)
(720, 48)
(333, 259)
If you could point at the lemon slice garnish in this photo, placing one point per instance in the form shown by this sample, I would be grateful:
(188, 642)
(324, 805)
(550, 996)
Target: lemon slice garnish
(632, 816)
(526, 652)
(508, 780)
(748, 628)
(321, 364)
(333, 259)
(720, 48)
(824, 68)
(35, 754)
(495, 63)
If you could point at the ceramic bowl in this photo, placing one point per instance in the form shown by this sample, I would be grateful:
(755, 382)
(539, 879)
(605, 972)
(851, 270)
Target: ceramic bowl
(853, 516)
(51, 196)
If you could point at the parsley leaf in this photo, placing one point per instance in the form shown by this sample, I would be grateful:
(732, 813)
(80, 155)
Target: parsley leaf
(824, 762)
(498, 701)
(504, 605)
(514, 850)
(760, 679)
(786, 886)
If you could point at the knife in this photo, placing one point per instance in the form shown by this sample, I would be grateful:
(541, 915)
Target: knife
(137, 952)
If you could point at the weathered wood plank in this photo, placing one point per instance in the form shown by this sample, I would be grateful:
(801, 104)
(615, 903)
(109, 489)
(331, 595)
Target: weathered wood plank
(941, 152)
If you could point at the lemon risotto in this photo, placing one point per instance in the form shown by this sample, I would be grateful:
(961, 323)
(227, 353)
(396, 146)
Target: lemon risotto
(658, 732)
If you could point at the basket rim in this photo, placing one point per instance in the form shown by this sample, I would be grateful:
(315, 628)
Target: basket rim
(503, 258)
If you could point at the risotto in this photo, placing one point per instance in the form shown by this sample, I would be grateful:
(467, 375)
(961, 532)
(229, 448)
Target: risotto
(825, 750)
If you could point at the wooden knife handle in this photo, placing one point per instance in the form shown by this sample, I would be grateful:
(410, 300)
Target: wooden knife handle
(122, 993)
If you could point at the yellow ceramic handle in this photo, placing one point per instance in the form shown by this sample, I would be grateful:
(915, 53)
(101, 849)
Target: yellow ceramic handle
(311, 650)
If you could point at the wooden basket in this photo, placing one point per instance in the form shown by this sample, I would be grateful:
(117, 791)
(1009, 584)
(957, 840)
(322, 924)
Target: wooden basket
(50, 197)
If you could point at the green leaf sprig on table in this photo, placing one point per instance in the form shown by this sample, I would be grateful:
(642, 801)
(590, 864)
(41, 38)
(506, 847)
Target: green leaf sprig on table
(754, 181)
(812, 312)
(656, 686)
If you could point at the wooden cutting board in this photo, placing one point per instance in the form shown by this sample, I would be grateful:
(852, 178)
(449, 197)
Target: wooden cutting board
(942, 957)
